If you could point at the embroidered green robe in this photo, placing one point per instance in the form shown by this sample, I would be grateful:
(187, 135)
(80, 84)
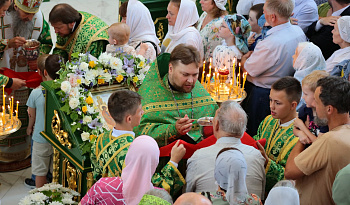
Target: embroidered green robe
(279, 143)
(158, 120)
(90, 36)
(108, 155)
(3, 80)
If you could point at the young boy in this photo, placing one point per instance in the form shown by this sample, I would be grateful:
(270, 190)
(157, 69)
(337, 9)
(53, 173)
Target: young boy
(109, 149)
(254, 14)
(42, 150)
(277, 128)
(305, 126)
(119, 34)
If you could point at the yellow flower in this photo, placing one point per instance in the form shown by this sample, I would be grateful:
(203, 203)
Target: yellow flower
(100, 81)
(141, 64)
(106, 70)
(89, 100)
(135, 79)
(92, 137)
(119, 78)
(92, 64)
(79, 81)
(84, 109)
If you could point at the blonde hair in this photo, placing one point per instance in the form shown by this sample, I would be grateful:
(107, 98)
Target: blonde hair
(120, 32)
(311, 79)
(41, 62)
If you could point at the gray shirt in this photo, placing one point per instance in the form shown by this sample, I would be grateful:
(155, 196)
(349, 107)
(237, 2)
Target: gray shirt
(200, 167)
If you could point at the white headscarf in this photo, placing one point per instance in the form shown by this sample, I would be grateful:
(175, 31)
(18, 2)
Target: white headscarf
(141, 25)
(283, 193)
(310, 58)
(221, 4)
(186, 17)
(344, 28)
(230, 173)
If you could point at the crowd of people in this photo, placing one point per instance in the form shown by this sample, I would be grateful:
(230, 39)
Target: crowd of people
(285, 143)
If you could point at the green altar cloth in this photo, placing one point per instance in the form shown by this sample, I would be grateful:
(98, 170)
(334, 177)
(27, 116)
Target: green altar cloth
(279, 143)
(90, 36)
(158, 120)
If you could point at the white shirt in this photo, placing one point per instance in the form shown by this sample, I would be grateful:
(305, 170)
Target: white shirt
(200, 167)
(272, 57)
(337, 57)
(306, 12)
(117, 133)
(243, 6)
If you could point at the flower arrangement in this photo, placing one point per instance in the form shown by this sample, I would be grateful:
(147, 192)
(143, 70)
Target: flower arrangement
(52, 194)
(82, 73)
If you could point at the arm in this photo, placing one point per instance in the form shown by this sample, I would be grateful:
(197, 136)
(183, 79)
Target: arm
(299, 127)
(143, 49)
(32, 115)
(97, 47)
(60, 52)
(292, 171)
(97, 172)
(45, 39)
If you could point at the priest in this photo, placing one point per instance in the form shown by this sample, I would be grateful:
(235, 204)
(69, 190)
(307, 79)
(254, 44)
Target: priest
(77, 32)
(173, 99)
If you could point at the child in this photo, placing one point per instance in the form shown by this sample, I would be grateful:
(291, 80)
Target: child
(234, 30)
(42, 150)
(118, 38)
(277, 128)
(254, 14)
(306, 125)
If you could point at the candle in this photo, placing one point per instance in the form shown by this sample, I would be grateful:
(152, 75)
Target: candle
(3, 95)
(239, 71)
(215, 80)
(3, 115)
(203, 72)
(10, 111)
(210, 68)
(12, 106)
(237, 81)
(17, 109)
(208, 83)
(244, 79)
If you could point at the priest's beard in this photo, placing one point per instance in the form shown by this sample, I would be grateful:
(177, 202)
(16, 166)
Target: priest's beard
(21, 28)
(320, 122)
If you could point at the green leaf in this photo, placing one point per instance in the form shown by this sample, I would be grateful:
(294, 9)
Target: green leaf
(74, 127)
(74, 116)
(65, 108)
(75, 55)
(86, 147)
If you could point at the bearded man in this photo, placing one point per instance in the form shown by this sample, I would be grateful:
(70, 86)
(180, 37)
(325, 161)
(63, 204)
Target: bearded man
(77, 32)
(173, 98)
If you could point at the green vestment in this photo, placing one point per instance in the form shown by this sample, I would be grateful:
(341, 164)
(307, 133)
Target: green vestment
(279, 143)
(108, 155)
(90, 36)
(160, 109)
(3, 80)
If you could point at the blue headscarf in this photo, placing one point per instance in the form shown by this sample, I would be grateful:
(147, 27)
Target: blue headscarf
(240, 28)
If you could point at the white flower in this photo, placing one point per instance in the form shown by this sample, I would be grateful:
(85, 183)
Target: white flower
(107, 76)
(87, 119)
(91, 109)
(120, 71)
(141, 77)
(65, 86)
(73, 67)
(39, 197)
(140, 57)
(74, 92)
(116, 63)
(100, 72)
(74, 123)
(57, 203)
(73, 102)
(84, 66)
(73, 79)
(26, 200)
(84, 136)
(81, 54)
(104, 59)
(90, 76)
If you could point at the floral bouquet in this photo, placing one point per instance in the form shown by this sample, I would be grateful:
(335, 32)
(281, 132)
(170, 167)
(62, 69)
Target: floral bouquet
(53, 194)
(81, 74)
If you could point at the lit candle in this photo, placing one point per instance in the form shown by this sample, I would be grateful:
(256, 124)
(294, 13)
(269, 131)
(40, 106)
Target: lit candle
(215, 81)
(244, 79)
(210, 68)
(17, 109)
(3, 115)
(208, 83)
(12, 106)
(10, 110)
(237, 81)
(203, 72)
(3, 94)
(239, 71)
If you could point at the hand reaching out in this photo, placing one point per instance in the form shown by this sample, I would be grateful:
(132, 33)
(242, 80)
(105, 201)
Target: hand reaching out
(251, 39)
(177, 152)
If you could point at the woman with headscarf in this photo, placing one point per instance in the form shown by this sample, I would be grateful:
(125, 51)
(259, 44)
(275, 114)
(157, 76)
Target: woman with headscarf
(141, 162)
(182, 15)
(209, 24)
(341, 36)
(235, 30)
(307, 58)
(230, 173)
(137, 16)
(283, 193)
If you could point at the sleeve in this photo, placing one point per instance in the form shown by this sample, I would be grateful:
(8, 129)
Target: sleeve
(310, 31)
(97, 47)
(45, 39)
(159, 131)
(96, 170)
(314, 157)
(4, 80)
(169, 179)
(258, 135)
(31, 99)
(3, 44)
(191, 174)
(275, 170)
(306, 17)
(60, 52)
(258, 63)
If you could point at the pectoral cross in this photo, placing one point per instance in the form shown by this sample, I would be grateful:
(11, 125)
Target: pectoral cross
(3, 27)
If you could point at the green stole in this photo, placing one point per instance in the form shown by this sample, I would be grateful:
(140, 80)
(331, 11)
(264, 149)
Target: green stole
(279, 143)
(90, 30)
(160, 110)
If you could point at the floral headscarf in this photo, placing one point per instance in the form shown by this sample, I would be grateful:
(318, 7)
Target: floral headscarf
(240, 28)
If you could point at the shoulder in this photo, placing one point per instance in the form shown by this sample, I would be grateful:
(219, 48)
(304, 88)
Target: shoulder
(36, 92)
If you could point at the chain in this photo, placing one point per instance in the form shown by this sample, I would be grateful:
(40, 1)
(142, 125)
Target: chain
(178, 111)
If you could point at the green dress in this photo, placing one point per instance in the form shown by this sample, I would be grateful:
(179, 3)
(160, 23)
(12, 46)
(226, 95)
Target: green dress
(279, 143)
(160, 110)
(108, 155)
(90, 36)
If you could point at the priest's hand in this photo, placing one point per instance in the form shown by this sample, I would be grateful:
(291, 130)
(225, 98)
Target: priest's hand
(183, 125)
(263, 153)
(177, 152)
(17, 83)
(16, 42)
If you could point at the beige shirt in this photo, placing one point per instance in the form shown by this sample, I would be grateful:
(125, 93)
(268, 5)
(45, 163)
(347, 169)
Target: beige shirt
(320, 163)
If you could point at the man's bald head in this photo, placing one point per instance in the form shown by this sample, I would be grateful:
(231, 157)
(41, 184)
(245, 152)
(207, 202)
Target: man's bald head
(192, 198)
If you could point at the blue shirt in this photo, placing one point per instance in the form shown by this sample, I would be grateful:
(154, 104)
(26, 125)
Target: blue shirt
(37, 100)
